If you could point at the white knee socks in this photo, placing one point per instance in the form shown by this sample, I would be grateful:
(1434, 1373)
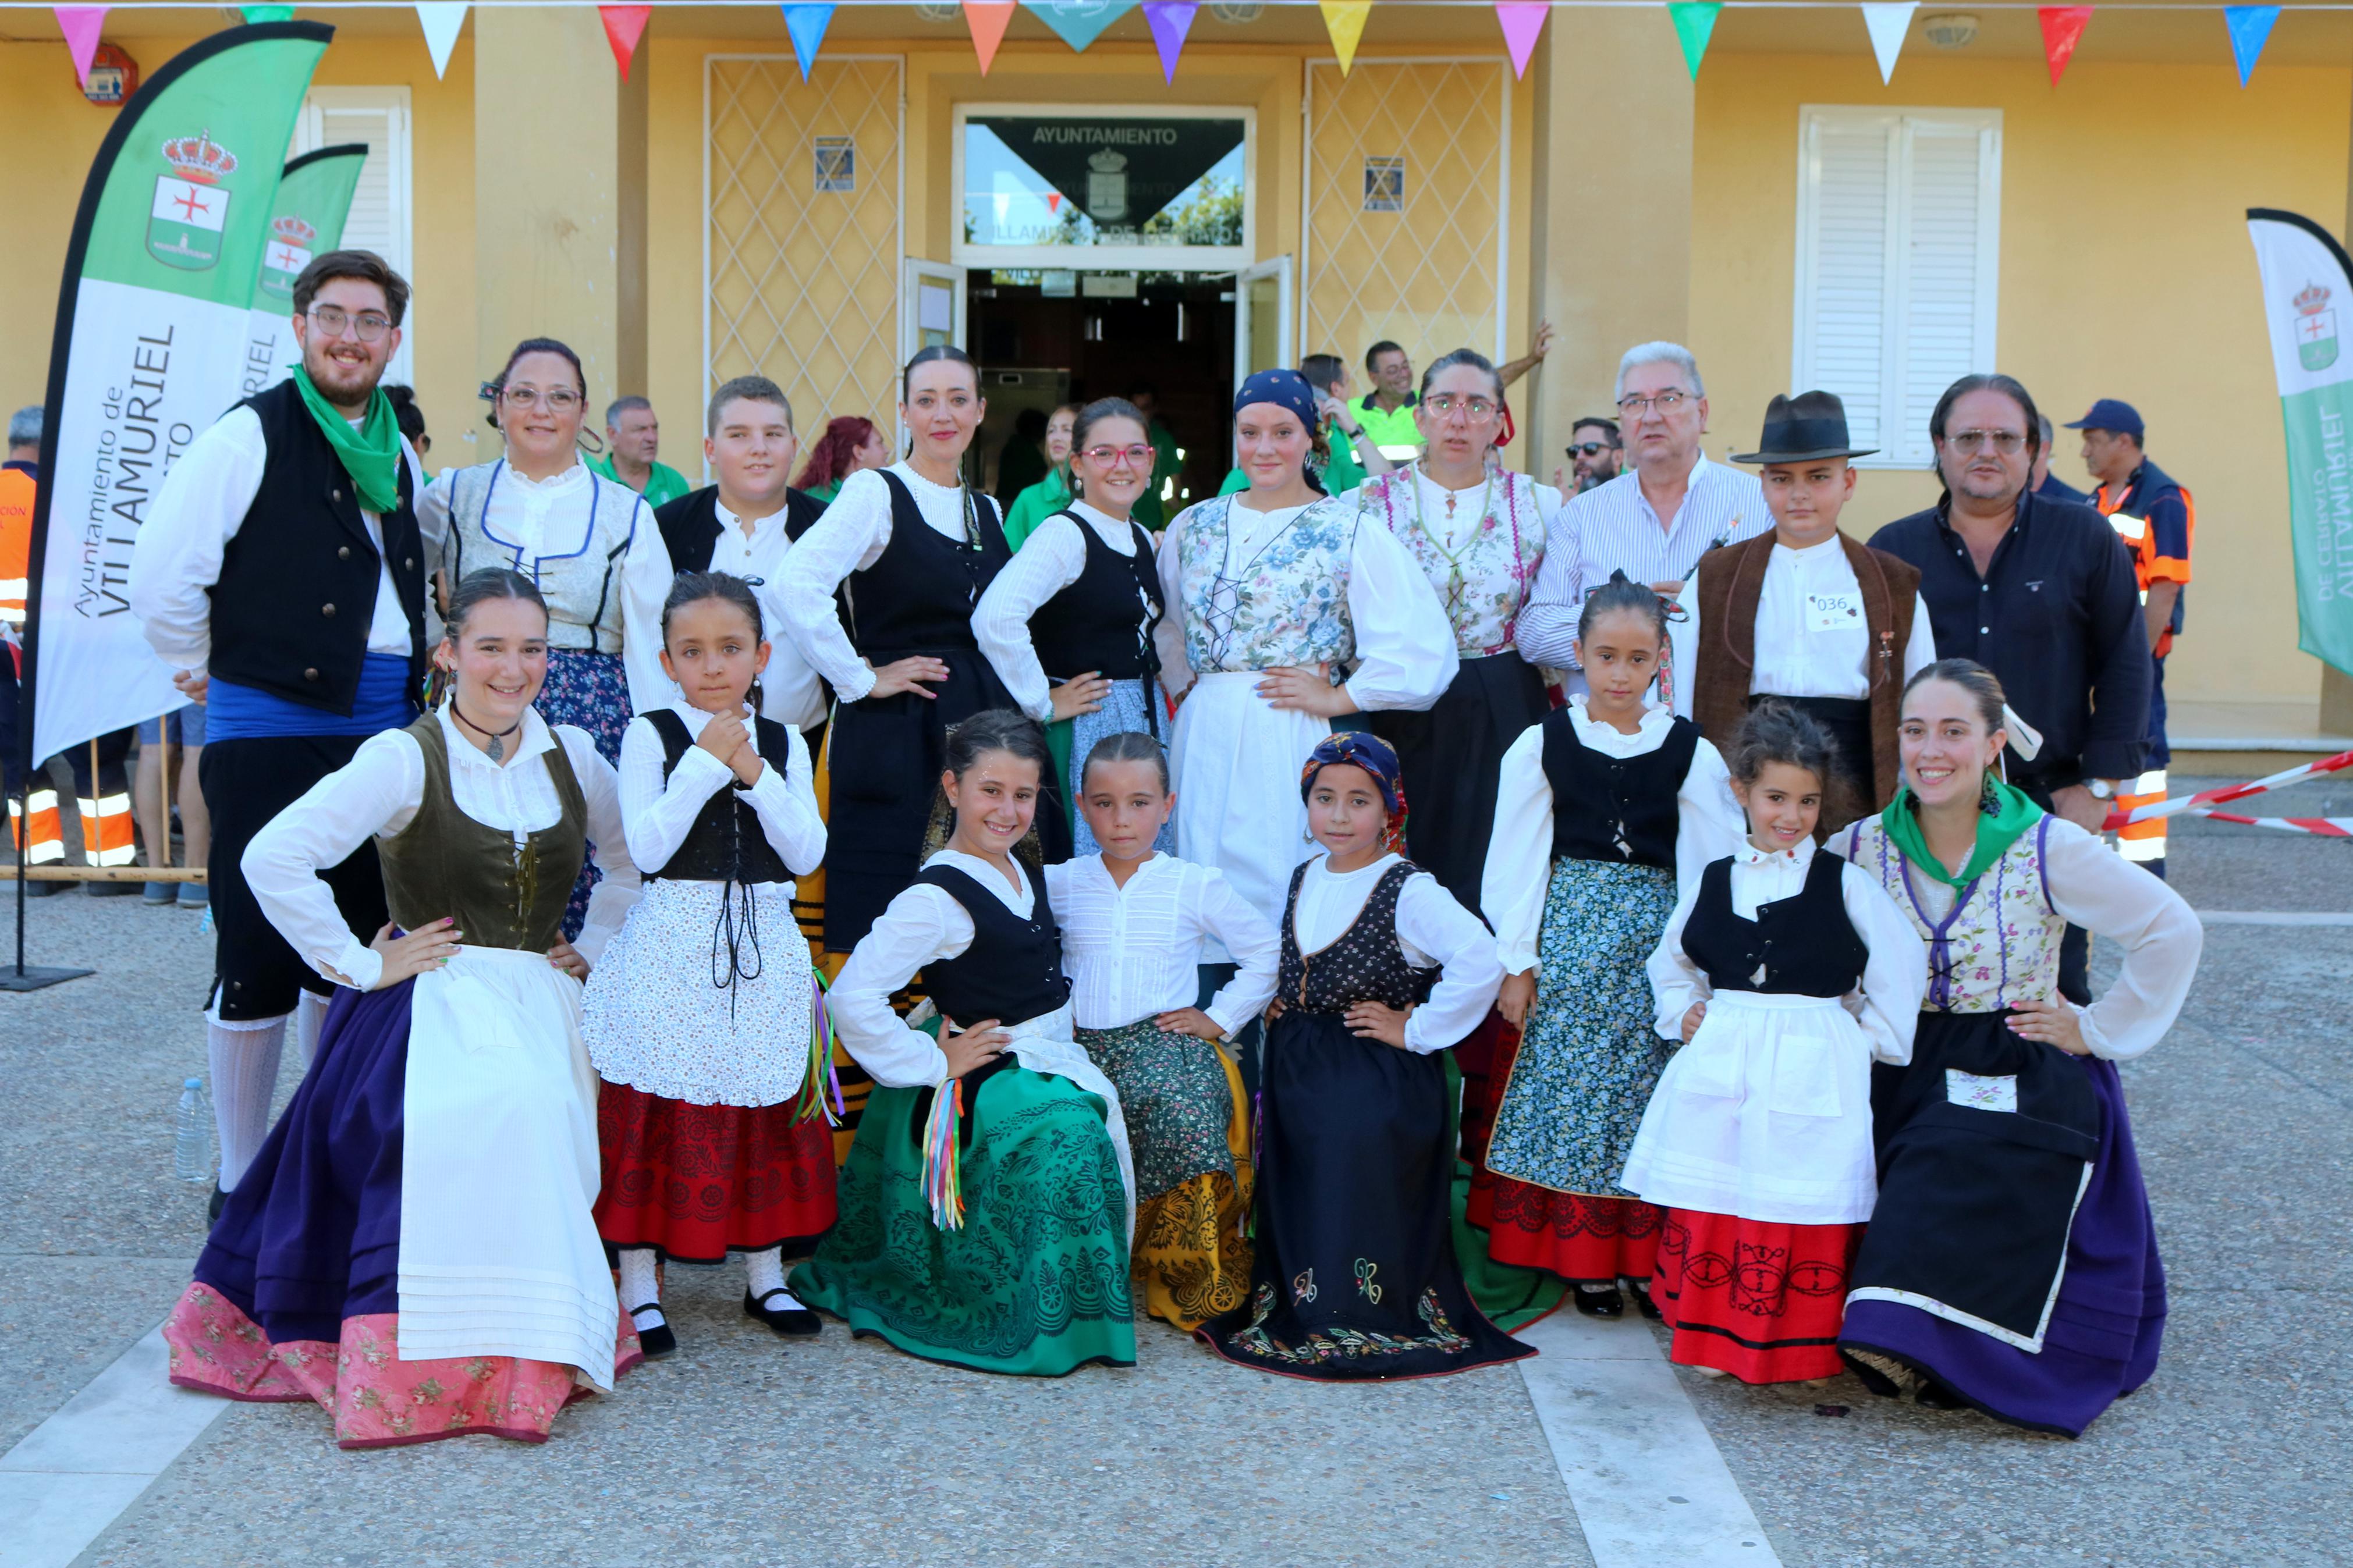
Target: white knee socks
(766, 1273)
(310, 1017)
(244, 1060)
(640, 1286)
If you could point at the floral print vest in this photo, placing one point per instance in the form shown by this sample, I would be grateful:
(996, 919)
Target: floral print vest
(1286, 603)
(1483, 583)
(1998, 944)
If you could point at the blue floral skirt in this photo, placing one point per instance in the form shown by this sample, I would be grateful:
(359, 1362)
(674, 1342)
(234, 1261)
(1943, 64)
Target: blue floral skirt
(589, 691)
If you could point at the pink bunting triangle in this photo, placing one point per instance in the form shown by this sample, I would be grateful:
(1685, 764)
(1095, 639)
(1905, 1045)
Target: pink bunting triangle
(80, 24)
(1171, 20)
(988, 19)
(624, 25)
(1523, 20)
(2063, 30)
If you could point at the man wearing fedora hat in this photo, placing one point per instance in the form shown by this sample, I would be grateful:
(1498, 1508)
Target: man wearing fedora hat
(1806, 614)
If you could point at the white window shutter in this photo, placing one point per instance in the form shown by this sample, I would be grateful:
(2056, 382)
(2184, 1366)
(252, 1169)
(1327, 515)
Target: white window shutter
(379, 219)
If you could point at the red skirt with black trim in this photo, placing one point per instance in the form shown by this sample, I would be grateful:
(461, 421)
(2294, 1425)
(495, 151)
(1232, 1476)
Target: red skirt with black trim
(1759, 1300)
(1590, 1240)
(698, 1182)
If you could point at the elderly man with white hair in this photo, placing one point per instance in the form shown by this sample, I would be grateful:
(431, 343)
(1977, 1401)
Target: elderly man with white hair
(1654, 520)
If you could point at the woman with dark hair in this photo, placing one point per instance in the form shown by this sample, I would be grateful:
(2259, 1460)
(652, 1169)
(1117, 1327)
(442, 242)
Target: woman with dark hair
(412, 1248)
(589, 543)
(986, 1204)
(878, 595)
(850, 445)
(2010, 1264)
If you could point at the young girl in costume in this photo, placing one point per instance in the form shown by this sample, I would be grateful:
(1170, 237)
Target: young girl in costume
(986, 1204)
(1381, 970)
(1784, 973)
(1134, 924)
(2010, 1264)
(700, 1020)
(1606, 810)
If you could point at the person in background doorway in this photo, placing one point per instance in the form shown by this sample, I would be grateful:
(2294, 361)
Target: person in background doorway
(19, 478)
(1040, 501)
(2041, 593)
(1351, 459)
(1021, 460)
(175, 739)
(2045, 483)
(632, 440)
(850, 443)
(1160, 499)
(1595, 453)
(2155, 517)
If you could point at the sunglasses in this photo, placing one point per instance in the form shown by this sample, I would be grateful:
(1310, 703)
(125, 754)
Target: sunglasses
(1589, 449)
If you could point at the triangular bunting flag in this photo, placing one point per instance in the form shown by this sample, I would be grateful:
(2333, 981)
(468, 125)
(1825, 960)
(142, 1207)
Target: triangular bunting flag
(80, 24)
(988, 19)
(1889, 24)
(2063, 30)
(2251, 29)
(442, 21)
(1522, 20)
(1171, 20)
(807, 24)
(1695, 23)
(1345, 20)
(624, 25)
(1079, 23)
(267, 13)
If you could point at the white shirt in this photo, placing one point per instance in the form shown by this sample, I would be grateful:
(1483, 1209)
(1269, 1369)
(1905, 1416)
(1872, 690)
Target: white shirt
(658, 814)
(850, 537)
(1895, 977)
(1811, 638)
(1048, 560)
(176, 558)
(1432, 929)
(1613, 527)
(377, 794)
(1133, 952)
(2094, 886)
(1519, 854)
(790, 693)
(543, 516)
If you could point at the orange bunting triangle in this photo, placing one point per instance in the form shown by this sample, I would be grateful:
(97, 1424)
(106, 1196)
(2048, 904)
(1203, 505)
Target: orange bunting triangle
(624, 25)
(988, 19)
(1345, 20)
(2063, 30)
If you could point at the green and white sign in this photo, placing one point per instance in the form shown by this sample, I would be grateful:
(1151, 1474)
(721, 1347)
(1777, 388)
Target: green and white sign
(314, 199)
(151, 344)
(2307, 279)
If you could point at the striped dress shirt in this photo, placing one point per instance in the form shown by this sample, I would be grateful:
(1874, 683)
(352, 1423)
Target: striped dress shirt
(1611, 528)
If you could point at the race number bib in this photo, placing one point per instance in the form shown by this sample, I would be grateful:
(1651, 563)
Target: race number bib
(1834, 611)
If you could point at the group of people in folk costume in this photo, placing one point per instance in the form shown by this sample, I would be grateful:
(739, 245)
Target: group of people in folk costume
(1203, 854)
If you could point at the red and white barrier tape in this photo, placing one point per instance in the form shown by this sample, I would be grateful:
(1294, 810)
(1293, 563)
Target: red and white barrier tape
(2200, 805)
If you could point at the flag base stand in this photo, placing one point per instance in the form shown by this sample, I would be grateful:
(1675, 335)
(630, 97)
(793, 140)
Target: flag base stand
(38, 979)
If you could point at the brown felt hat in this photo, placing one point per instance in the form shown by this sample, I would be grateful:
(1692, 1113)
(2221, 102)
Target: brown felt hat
(1801, 428)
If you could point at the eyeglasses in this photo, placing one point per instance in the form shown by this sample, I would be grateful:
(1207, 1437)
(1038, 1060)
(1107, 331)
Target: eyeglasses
(1134, 457)
(1589, 449)
(1480, 409)
(1969, 441)
(1666, 403)
(555, 399)
(332, 319)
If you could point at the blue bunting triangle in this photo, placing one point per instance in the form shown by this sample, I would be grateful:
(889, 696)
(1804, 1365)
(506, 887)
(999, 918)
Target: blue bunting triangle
(2251, 29)
(807, 24)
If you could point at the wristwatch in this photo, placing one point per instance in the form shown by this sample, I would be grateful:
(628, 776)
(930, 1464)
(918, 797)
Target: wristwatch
(2101, 789)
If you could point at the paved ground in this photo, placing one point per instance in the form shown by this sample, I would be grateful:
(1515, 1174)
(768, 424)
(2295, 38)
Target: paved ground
(741, 1450)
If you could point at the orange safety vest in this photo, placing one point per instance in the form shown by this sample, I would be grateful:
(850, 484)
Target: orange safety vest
(16, 491)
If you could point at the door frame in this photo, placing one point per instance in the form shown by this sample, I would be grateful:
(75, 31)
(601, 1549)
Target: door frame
(1280, 269)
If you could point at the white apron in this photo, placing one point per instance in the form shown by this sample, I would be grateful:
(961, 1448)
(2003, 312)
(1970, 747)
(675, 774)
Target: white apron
(1236, 763)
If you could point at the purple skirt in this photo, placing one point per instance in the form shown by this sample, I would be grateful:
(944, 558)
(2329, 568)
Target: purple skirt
(2105, 1327)
(588, 691)
(310, 1235)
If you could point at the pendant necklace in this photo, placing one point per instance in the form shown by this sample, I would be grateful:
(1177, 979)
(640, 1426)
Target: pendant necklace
(497, 749)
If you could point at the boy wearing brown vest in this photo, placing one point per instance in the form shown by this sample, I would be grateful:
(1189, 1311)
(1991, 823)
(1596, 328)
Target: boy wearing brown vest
(1805, 613)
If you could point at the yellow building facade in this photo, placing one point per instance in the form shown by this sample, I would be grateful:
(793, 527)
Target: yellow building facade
(1788, 216)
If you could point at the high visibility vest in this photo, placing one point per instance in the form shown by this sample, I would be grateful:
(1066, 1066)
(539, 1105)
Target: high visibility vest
(16, 491)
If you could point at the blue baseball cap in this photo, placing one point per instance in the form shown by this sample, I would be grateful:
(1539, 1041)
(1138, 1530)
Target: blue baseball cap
(2110, 414)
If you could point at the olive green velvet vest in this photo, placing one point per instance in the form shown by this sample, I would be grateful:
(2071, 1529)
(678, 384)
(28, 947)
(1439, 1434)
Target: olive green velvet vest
(446, 863)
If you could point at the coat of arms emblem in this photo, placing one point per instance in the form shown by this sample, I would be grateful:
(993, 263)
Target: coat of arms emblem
(288, 252)
(1107, 185)
(190, 209)
(2315, 329)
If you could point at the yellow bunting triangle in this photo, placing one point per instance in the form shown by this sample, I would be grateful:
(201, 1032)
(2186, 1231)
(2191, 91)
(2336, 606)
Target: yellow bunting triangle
(1345, 20)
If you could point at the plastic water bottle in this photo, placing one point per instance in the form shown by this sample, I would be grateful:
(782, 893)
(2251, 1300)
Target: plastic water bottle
(191, 1134)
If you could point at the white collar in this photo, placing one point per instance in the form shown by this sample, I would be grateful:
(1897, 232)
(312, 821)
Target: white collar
(534, 737)
(986, 875)
(1654, 717)
(1321, 867)
(729, 520)
(572, 475)
(907, 471)
(694, 718)
(1747, 854)
(1421, 473)
(1805, 553)
(1117, 532)
(1095, 866)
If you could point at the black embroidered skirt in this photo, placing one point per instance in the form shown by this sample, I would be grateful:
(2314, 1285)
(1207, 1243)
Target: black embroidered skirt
(1452, 756)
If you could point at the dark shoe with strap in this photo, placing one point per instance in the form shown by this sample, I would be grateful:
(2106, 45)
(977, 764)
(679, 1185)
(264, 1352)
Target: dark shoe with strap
(796, 1322)
(1605, 1303)
(1641, 1289)
(1935, 1395)
(657, 1341)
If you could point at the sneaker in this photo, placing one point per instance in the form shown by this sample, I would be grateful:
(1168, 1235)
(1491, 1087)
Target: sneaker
(47, 889)
(112, 890)
(195, 896)
(158, 894)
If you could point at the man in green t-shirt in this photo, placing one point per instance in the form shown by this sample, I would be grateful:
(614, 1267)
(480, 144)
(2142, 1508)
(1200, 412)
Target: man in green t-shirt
(632, 437)
(1387, 410)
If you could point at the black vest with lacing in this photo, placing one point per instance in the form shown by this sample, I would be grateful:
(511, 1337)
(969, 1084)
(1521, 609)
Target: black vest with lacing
(1803, 945)
(726, 842)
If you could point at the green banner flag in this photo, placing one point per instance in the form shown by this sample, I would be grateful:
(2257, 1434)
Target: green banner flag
(150, 343)
(2307, 280)
(314, 200)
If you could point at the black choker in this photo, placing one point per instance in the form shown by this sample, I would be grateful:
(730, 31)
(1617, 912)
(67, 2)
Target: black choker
(497, 748)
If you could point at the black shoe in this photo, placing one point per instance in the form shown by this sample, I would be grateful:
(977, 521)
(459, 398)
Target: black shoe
(221, 1202)
(1599, 1303)
(795, 1321)
(1935, 1395)
(47, 889)
(113, 890)
(657, 1341)
(1642, 1303)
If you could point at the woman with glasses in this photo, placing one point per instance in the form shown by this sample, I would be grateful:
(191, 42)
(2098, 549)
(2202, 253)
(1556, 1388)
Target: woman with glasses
(1068, 626)
(589, 543)
(1040, 501)
(1287, 610)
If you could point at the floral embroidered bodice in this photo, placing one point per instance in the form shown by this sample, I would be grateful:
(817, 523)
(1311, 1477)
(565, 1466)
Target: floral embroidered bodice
(1282, 600)
(1996, 943)
(1481, 581)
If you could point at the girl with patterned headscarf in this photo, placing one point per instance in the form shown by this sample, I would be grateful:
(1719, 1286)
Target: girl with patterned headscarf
(1381, 970)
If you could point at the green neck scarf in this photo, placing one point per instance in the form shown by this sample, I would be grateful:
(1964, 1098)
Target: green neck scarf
(1996, 831)
(371, 453)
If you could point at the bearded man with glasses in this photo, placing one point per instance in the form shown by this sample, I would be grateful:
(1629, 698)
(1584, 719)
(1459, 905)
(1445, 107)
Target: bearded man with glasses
(280, 573)
(2042, 593)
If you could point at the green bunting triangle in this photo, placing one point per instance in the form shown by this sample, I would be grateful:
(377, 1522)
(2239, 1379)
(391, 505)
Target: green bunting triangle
(1695, 23)
(267, 13)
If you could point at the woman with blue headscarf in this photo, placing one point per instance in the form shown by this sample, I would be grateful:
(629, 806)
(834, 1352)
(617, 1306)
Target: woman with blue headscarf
(1286, 611)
